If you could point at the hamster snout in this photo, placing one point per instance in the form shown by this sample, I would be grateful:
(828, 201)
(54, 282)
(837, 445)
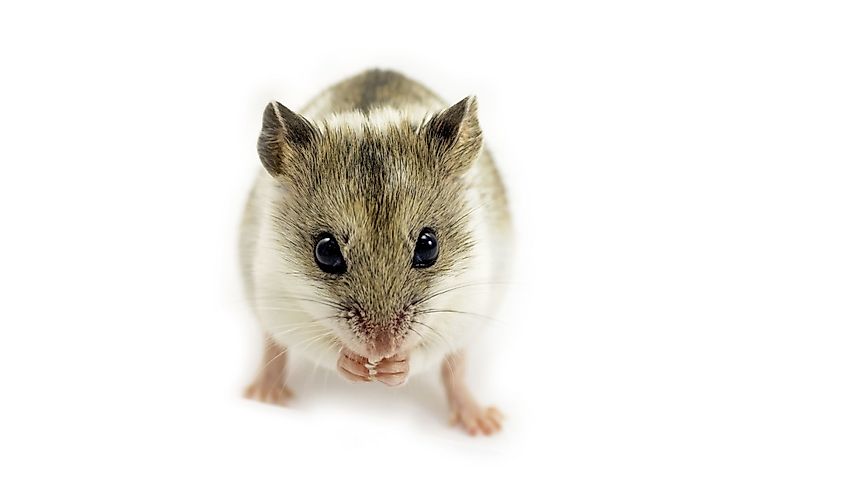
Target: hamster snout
(380, 337)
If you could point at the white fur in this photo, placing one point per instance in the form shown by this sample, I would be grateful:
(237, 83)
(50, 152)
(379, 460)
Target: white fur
(378, 119)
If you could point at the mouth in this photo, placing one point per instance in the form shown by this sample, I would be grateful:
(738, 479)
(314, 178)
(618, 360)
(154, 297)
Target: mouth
(369, 352)
(376, 341)
(382, 346)
(375, 352)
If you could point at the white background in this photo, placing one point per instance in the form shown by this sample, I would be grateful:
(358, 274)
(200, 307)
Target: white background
(676, 171)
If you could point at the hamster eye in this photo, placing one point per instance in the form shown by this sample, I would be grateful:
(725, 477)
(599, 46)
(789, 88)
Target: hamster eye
(426, 251)
(328, 256)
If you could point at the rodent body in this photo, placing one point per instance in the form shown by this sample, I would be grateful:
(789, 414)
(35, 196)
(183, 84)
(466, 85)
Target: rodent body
(373, 170)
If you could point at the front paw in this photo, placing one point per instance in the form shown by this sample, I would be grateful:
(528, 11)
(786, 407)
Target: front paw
(392, 371)
(353, 367)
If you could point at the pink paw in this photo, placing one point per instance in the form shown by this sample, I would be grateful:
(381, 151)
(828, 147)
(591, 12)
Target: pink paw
(474, 418)
(271, 394)
(391, 371)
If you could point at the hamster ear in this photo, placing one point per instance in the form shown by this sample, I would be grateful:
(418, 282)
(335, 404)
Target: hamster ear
(455, 136)
(284, 136)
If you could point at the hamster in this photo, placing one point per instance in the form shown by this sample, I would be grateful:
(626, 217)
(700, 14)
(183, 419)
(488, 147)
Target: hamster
(376, 238)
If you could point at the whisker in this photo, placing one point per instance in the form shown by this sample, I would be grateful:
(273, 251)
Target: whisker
(434, 331)
(416, 332)
(303, 346)
(303, 329)
(334, 343)
(282, 329)
(455, 288)
(448, 361)
(459, 312)
(324, 302)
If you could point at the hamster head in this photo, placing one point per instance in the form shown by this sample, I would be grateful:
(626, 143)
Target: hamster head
(369, 216)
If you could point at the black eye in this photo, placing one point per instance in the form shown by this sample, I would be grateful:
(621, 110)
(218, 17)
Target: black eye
(328, 255)
(426, 251)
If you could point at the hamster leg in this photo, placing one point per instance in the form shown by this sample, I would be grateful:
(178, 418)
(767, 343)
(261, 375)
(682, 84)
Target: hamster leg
(269, 385)
(466, 412)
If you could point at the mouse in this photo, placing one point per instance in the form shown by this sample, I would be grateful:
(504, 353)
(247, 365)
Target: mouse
(376, 239)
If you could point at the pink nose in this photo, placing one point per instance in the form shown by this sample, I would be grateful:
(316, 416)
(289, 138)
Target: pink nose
(383, 344)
